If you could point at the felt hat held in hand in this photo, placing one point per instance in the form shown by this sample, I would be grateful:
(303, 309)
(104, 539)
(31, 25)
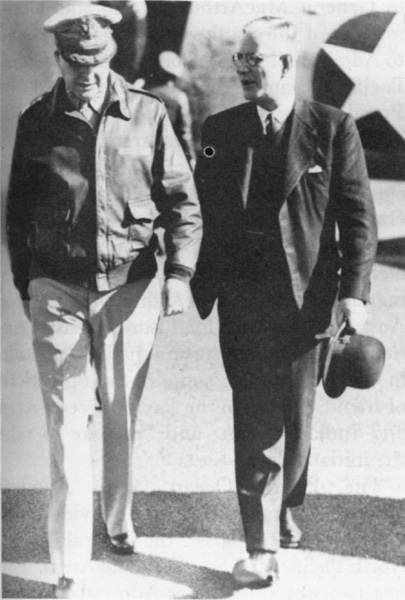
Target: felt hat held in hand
(352, 360)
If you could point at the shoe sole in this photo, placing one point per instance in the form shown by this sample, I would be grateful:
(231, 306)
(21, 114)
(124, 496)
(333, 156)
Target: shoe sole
(254, 585)
(290, 545)
(122, 551)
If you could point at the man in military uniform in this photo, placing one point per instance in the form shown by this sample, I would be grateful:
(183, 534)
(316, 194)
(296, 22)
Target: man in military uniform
(96, 165)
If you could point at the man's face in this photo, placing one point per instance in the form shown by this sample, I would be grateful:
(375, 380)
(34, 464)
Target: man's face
(85, 82)
(260, 83)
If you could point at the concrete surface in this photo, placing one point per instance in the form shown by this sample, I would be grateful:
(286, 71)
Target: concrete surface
(185, 507)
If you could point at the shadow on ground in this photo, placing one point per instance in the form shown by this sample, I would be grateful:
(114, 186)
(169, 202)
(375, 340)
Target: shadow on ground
(16, 587)
(356, 526)
(392, 253)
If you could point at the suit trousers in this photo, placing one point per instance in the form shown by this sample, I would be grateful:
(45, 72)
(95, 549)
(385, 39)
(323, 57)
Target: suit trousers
(273, 402)
(76, 331)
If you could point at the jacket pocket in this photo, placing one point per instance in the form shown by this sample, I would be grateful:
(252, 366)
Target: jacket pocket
(139, 218)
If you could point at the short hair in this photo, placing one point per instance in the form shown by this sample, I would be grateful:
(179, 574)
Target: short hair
(276, 27)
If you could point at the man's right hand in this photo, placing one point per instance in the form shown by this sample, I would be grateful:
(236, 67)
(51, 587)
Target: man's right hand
(176, 297)
(354, 311)
(27, 310)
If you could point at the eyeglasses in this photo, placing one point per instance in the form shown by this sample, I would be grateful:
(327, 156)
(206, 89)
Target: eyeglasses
(251, 58)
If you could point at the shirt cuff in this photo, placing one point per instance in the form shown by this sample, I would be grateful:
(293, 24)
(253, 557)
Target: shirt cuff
(178, 272)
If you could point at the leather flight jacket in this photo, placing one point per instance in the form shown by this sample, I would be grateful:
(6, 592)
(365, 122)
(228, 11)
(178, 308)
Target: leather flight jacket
(83, 205)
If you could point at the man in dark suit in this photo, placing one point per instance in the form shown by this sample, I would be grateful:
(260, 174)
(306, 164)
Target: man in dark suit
(277, 177)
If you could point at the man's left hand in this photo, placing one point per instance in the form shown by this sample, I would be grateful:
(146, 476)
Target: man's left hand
(354, 311)
(176, 297)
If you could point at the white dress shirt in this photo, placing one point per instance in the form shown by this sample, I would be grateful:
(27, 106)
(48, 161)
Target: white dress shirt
(279, 115)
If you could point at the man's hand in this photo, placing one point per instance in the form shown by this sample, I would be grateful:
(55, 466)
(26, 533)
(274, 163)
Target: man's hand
(354, 311)
(27, 310)
(176, 297)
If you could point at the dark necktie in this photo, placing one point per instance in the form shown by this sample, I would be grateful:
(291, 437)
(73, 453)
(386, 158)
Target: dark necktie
(269, 135)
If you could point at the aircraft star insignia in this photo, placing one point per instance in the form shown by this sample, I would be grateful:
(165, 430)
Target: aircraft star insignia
(378, 76)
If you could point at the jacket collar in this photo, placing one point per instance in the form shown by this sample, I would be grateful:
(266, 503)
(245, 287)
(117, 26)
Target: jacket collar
(250, 130)
(304, 116)
(117, 96)
(302, 145)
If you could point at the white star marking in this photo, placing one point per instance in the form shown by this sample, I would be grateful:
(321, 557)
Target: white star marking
(378, 77)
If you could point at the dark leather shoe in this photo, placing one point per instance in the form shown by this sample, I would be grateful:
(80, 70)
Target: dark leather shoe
(290, 533)
(258, 571)
(68, 588)
(121, 545)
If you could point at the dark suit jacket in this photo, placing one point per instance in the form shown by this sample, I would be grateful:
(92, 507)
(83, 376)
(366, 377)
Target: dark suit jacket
(326, 184)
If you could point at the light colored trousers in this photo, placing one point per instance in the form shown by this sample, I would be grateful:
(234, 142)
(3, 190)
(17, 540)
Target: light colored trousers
(74, 331)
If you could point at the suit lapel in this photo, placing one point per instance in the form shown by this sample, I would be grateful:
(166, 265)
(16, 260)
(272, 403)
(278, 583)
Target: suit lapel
(302, 145)
(245, 174)
(250, 129)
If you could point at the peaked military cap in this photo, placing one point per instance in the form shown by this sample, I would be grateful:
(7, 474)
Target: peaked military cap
(83, 33)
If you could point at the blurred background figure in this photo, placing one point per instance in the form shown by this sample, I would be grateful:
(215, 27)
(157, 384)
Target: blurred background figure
(130, 35)
(164, 83)
(143, 63)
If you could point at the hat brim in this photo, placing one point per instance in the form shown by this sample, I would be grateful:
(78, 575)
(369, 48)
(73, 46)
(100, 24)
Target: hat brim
(332, 383)
(71, 13)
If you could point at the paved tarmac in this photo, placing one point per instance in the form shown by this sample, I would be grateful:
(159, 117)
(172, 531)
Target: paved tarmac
(185, 507)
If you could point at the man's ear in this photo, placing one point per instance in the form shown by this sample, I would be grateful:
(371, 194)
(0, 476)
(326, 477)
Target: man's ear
(287, 61)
